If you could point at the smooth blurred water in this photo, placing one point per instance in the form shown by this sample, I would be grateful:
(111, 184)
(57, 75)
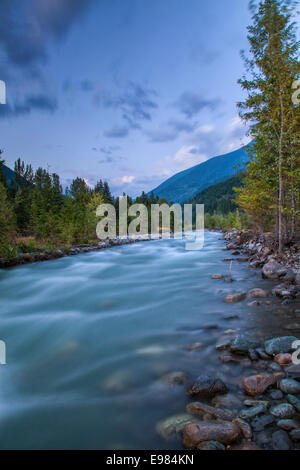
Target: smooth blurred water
(90, 337)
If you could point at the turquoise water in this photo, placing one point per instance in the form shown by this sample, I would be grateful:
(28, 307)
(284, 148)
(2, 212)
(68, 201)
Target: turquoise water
(90, 337)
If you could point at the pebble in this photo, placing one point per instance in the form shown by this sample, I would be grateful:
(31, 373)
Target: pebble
(253, 412)
(289, 386)
(261, 422)
(295, 434)
(206, 386)
(279, 345)
(282, 411)
(210, 445)
(287, 424)
(281, 440)
(294, 401)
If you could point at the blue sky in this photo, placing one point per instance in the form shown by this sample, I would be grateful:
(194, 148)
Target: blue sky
(131, 91)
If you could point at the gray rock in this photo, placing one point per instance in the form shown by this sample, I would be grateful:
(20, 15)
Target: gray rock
(275, 367)
(207, 387)
(222, 345)
(289, 386)
(201, 409)
(282, 411)
(262, 354)
(171, 427)
(253, 412)
(210, 445)
(276, 394)
(273, 270)
(257, 403)
(242, 344)
(281, 440)
(295, 434)
(261, 422)
(279, 345)
(294, 401)
(288, 424)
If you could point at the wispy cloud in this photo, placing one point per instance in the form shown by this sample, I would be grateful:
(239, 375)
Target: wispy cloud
(28, 104)
(190, 104)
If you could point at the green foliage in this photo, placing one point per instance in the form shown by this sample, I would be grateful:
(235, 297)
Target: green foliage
(7, 223)
(227, 221)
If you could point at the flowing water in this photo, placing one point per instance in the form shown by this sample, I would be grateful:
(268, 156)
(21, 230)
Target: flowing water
(89, 339)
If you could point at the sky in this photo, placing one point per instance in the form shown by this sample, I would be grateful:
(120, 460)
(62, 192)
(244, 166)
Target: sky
(129, 91)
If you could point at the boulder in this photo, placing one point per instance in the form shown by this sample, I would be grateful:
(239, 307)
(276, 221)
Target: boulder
(280, 345)
(201, 409)
(290, 386)
(257, 293)
(258, 384)
(273, 270)
(235, 297)
(281, 440)
(242, 344)
(224, 432)
(282, 411)
(207, 387)
(211, 445)
(283, 359)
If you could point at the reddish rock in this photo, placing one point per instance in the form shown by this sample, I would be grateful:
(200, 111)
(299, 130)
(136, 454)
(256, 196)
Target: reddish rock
(257, 293)
(283, 359)
(201, 409)
(258, 384)
(244, 427)
(224, 432)
(235, 297)
(245, 445)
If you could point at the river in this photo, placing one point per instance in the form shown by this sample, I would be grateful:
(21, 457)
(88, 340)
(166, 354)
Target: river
(90, 337)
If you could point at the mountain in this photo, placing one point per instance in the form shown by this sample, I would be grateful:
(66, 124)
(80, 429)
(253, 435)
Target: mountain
(219, 197)
(9, 175)
(188, 183)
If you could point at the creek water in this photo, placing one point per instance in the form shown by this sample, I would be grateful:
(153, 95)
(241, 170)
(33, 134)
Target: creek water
(90, 337)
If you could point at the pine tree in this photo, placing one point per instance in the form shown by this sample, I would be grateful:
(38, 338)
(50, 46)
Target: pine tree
(273, 66)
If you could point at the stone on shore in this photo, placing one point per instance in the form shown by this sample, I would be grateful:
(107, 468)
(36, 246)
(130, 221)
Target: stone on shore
(235, 297)
(242, 344)
(290, 386)
(172, 426)
(224, 432)
(283, 359)
(288, 424)
(279, 345)
(244, 427)
(252, 412)
(201, 409)
(282, 411)
(218, 276)
(295, 434)
(245, 445)
(273, 270)
(281, 440)
(294, 401)
(258, 384)
(261, 422)
(257, 293)
(210, 445)
(207, 387)
(175, 378)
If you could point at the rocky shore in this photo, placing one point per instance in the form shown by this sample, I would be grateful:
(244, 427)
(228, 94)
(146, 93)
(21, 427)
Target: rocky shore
(255, 405)
(47, 255)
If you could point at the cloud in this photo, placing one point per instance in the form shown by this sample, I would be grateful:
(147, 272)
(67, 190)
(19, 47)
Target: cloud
(110, 149)
(28, 26)
(190, 104)
(186, 157)
(123, 180)
(170, 132)
(27, 105)
(117, 132)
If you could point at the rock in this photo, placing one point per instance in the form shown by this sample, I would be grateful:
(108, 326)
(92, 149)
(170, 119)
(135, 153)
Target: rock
(245, 445)
(175, 378)
(289, 386)
(295, 434)
(275, 367)
(206, 387)
(273, 270)
(224, 432)
(292, 326)
(244, 427)
(253, 412)
(236, 253)
(282, 411)
(228, 357)
(194, 346)
(275, 394)
(218, 276)
(230, 316)
(280, 345)
(282, 291)
(297, 279)
(258, 384)
(235, 297)
(261, 422)
(210, 445)
(242, 344)
(257, 403)
(294, 401)
(287, 424)
(283, 359)
(253, 356)
(262, 354)
(243, 260)
(226, 401)
(200, 409)
(264, 437)
(171, 427)
(257, 293)
(290, 276)
(222, 345)
(281, 440)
